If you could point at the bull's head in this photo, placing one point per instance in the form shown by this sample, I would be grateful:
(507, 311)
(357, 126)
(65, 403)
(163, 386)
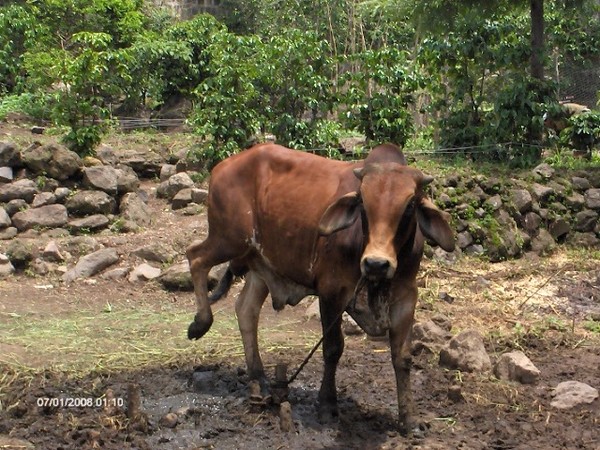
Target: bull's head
(392, 199)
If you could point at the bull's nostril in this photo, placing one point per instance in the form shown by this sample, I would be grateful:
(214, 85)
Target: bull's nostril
(376, 266)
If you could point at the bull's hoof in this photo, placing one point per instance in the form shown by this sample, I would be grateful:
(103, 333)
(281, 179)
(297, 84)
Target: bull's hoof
(328, 413)
(413, 428)
(198, 328)
(258, 394)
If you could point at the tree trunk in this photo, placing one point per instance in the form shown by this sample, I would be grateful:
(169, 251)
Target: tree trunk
(537, 39)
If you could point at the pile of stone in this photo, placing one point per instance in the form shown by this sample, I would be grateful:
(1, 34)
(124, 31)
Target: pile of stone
(51, 187)
(503, 219)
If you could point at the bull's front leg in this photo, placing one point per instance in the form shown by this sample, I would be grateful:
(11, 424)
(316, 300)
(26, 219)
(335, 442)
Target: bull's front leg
(333, 347)
(402, 310)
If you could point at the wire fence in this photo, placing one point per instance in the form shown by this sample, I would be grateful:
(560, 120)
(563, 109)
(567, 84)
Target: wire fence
(132, 123)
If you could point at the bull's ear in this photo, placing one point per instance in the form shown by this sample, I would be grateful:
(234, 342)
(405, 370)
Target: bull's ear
(340, 214)
(434, 226)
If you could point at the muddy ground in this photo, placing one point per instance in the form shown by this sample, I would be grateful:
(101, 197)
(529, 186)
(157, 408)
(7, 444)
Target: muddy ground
(540, 306)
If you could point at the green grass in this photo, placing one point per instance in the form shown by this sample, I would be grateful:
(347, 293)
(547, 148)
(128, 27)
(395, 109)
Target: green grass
(90, 341)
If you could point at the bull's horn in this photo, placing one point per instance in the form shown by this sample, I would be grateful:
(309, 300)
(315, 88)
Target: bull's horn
(427, 179)
(358, 173)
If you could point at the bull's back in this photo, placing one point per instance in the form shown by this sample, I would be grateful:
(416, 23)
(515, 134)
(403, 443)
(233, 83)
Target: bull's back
(273, 199)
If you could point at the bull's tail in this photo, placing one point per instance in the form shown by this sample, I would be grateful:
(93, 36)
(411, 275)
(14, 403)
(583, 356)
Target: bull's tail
(223, 286)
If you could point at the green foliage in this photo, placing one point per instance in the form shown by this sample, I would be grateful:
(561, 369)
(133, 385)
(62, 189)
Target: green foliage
(296, 76)
(227, 112)
(37, 105)
(379, 93)
(86, 74)
(583, 131)
(279, 85)
(18, 31)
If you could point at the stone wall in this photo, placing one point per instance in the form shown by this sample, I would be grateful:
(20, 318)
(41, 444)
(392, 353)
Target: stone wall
(185, 9)
(504, 218)
(47, 188)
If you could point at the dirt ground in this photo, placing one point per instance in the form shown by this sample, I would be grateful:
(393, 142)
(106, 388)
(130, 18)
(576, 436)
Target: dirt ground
(119, 337)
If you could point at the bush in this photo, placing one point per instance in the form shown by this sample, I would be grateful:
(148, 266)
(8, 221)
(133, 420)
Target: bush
(378, 95)
(582, 132)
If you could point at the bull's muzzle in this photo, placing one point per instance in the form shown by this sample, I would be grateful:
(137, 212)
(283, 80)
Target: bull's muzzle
(377, 268)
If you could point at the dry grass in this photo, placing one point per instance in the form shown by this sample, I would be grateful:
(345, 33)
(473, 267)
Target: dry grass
(509, 303)
(513, 300)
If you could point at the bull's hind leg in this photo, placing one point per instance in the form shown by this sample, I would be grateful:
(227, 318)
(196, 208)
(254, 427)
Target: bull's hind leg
(247, 309)
(202, 257)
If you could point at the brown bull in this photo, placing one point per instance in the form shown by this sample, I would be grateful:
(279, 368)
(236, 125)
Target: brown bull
(298, 224)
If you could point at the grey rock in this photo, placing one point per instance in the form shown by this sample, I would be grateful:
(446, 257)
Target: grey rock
(444, 201)
(6, 174)
(575, 202)
(466, 352)
(168, 189)
(580, 184)
(475, 249)
(127, 179)
(115, 274)
(516, 366)
(91, 264)
(16, 205)
(81, 245)
(199, 196)
(144, 272)
(52, 253)
(177, 277)
(182, 199)
(55, 233)
(531, 223)
(570, 394)
(106, 155)
(50, 216)
(43, 199)
(9, 155)
(491, 185)
(522, 200)
(134, 210)
(145, 164)
(559, 229)
(41, 267)
(592, 198)
(94, 222)
(52, 160)
(103, 178)
(4, 219)
(8, 233)
(494, 203)
(543, 243)
(87, 202)
(350, 327)
(542, 193)
(585, 220)
(464, 239)
(543, 171)
(21, 189)
(6, 267)
(191, 210)
(167, 171)
(20, 253)
(157, 252)
(428, 335)
(61, 194)
(586, 240)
